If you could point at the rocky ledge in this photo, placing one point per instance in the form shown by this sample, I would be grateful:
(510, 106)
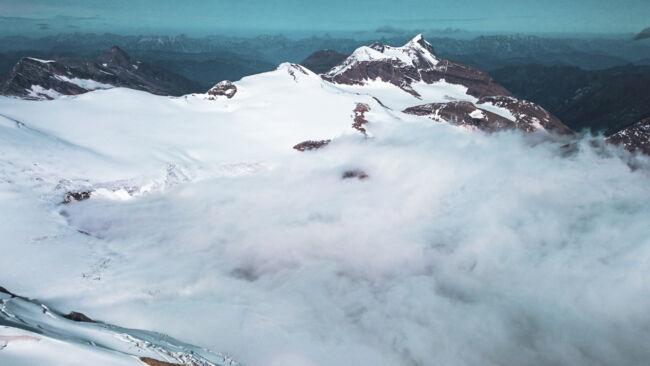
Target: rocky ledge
(223, 89)
(635, 138)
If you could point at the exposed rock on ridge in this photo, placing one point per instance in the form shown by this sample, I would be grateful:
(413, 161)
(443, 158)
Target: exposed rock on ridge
(48, 79)
(635, 138)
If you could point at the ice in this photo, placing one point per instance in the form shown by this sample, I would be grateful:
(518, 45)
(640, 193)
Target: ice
(478, 114)
(39, 60)
(37, 91)
(87, 84)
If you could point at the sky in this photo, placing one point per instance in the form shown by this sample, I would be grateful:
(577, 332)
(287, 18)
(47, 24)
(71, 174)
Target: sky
(218, 16)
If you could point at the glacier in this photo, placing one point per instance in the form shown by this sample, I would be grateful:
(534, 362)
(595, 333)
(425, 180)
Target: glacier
(202, 222)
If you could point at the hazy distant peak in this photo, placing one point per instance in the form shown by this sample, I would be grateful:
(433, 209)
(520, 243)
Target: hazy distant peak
(322, 61)
(115, 55)
(643, 34)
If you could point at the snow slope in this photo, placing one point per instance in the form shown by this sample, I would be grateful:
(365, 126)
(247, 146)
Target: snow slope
(28, 327)
(459, 248)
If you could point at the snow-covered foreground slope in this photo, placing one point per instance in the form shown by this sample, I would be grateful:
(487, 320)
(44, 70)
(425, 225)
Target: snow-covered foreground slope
(459, 248)
(33, 334)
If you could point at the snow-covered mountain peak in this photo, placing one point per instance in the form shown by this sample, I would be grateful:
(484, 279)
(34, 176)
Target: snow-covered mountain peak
(417, 53)
(406, 66)
(297, 72)
(419, 43)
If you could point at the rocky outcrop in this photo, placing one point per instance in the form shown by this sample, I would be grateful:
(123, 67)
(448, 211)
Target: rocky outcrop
(463, 114)
(78, 317)
(311, 145)
(153, 362)
(76, 196)
(223, 89)
(635, 138)
(411, 63)
(517, 114)
(356, 173)
(359, 117)
(33, 78)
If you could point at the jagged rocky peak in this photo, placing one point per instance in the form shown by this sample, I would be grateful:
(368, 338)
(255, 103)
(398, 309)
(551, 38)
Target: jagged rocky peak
(419, 41)
(635, 138)
(223, 88)
(411, 63)
(416, 53)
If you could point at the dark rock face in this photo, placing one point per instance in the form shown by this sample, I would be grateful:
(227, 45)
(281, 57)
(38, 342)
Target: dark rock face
(153, 362)
(311, 145)
(417, 62)
(5, 291)
(359, 117)
(45, 79)
(223, 88)
(78, 317)
(463, 114)
(76, 196)
(322, 61)
(359, 174)
(635, 138)
(528, 117)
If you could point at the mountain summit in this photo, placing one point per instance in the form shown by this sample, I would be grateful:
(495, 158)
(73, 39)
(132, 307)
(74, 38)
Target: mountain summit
(411, 63)
(453, 92)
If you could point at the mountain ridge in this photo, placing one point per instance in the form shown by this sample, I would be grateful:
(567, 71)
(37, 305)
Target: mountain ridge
(34, 78)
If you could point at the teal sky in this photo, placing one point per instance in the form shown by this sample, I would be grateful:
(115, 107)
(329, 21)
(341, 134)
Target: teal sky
(212, 16)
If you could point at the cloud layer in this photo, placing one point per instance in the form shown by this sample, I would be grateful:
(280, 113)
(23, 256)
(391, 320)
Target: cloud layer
(461, 248)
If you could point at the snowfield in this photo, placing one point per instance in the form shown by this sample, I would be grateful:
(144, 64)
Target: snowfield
(460, 248)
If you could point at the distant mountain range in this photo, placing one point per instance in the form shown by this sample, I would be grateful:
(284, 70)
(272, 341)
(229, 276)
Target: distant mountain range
(601, 100)
(35, 78)
(210, 59)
